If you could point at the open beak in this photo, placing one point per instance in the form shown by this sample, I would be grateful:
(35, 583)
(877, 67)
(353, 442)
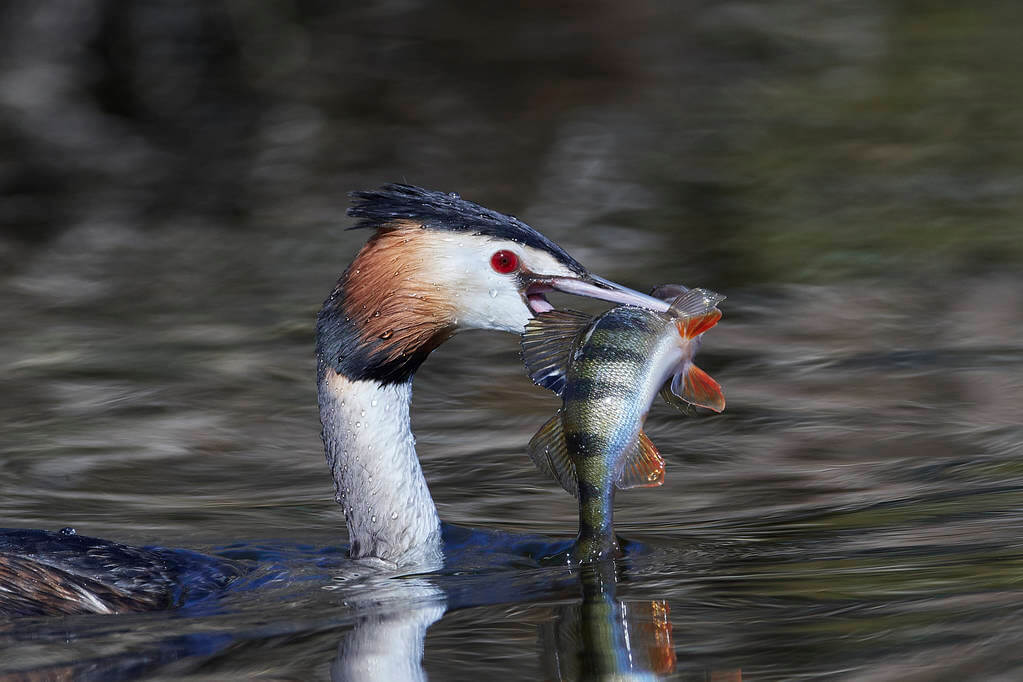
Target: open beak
(590, 286)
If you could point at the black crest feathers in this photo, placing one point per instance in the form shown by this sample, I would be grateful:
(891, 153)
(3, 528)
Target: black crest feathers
(434, 210)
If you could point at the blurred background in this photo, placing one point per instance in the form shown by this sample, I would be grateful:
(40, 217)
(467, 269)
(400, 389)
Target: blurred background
(173, 184)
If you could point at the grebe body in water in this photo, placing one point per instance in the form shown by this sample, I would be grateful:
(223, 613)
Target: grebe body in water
(435, 265)
(62, 573)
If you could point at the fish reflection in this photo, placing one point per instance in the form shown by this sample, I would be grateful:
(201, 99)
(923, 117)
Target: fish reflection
(604, 637)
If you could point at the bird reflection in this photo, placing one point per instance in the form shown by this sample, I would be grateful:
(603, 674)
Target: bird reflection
(387, 643)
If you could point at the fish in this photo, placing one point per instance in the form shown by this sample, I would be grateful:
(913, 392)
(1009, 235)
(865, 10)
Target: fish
(608, 370)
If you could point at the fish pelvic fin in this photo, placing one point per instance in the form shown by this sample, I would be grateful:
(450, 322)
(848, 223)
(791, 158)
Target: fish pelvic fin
(696, 312)
(549, 453)
(547, 346)
(644, 466)
(696, 387)
(674, 400)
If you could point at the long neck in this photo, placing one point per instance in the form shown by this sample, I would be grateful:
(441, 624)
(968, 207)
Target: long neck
(372, 456)
(371, 335)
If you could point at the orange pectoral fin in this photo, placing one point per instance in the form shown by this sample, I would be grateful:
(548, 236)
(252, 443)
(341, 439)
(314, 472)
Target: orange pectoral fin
(691, 327)
(701, 390)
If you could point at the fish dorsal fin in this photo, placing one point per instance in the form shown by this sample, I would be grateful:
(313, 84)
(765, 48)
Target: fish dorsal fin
(695, 302)
(696, 387)
(675, 401)
(644, 466)
(547, 345)
(549, 453)
(696, 311)
(668, 292)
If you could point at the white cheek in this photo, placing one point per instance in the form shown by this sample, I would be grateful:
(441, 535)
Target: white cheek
(490, 300)
(483, 298)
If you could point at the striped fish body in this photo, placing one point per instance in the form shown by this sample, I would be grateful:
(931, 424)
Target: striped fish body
(620, 363)
(608, 371)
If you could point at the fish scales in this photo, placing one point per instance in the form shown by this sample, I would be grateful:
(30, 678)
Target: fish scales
(605, 393)
(603, 401)
(608, 377)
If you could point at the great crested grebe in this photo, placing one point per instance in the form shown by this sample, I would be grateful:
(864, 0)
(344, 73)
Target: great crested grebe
(435, 265)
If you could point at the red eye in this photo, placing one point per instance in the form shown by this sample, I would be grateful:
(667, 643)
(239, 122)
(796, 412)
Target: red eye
(504, 262)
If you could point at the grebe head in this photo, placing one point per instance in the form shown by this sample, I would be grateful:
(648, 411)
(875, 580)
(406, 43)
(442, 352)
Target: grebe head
(438, 264)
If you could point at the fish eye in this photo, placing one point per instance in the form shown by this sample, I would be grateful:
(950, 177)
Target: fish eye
(504, 262)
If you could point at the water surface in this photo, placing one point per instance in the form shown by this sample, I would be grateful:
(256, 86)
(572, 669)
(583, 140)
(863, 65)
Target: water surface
(848, 175)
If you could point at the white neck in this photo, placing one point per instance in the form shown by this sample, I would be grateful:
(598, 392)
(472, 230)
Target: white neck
(380, 485)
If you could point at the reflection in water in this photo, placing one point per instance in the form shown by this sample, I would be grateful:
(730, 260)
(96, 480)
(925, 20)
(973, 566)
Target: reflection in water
(387, 643)
(599, 637)
(604, 636)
